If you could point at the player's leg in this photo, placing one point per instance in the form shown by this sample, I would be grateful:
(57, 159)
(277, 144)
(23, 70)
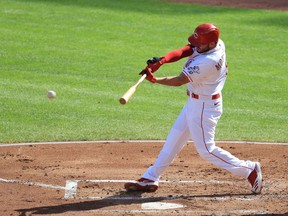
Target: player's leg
(202, 130)
(177, 138)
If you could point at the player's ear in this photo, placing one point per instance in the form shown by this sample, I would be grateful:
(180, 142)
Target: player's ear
(212, 44)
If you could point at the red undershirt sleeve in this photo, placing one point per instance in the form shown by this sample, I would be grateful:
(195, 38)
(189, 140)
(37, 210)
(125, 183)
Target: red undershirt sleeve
(178, 54)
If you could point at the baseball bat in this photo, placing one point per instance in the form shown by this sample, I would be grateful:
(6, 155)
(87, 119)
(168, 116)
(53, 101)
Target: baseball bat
(128, 94)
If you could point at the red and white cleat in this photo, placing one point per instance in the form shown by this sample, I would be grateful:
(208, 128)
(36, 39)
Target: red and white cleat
(255, 179)
(142, 184)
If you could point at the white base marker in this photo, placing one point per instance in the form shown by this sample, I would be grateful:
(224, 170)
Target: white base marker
(70, 189)
(161, 205)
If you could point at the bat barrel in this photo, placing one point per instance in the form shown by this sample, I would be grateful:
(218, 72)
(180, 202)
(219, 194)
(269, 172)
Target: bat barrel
(124, 99)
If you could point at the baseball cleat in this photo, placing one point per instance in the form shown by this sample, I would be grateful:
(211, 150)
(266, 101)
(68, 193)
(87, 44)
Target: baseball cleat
(142, 184)
(255, 179)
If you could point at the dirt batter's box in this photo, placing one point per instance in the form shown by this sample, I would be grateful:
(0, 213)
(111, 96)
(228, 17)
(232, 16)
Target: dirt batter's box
(86, 189)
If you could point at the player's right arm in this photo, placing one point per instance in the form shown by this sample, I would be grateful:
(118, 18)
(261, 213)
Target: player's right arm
(169, 81)
(173, 81)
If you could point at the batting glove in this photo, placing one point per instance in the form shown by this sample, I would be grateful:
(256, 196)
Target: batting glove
(150, 77)
(153, 64)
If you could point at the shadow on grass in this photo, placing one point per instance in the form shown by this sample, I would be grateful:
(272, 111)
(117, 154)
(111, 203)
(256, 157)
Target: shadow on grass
(144, 6)
(170, 8)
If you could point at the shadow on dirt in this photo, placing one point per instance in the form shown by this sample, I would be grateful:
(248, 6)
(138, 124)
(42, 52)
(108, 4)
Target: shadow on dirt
(267, 214)
(124, 198)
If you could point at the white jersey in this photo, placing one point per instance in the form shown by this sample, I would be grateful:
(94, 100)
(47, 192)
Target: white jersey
(207, 71)
(199, 117)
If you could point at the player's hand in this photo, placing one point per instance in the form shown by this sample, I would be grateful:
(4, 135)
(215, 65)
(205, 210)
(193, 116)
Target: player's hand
(153, 64)
(150, 77)
(153, 60)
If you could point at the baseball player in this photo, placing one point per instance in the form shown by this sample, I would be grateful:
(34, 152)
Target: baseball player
(204, 73)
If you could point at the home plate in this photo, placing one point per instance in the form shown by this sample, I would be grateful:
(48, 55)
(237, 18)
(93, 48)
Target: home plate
(160, 205)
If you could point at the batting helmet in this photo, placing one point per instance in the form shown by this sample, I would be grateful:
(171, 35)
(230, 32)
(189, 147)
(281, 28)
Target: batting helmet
(204, 34)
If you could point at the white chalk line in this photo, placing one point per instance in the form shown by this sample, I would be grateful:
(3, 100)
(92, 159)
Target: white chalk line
(30, 183)
(192, 212)
(131, 141)
(70, 189)
(150, 202)
(163, 181)
(71, 193)
(175, 197)
(72, 186)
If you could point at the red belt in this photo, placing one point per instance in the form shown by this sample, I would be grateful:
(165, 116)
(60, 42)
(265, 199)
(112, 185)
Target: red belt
(213, 97)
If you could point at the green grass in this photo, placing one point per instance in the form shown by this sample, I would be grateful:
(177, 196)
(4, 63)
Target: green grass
(90, 53)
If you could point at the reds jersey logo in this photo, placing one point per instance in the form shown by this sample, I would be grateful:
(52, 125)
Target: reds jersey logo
(189, 61)
(194, 69)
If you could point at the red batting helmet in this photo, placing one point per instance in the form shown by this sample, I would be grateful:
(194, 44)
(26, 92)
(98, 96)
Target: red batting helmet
(204, 34)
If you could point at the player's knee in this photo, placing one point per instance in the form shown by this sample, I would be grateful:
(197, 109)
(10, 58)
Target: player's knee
(205, 154)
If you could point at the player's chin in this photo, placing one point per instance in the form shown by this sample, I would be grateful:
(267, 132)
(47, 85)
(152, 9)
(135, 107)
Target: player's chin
(199, 50)
(203, 49)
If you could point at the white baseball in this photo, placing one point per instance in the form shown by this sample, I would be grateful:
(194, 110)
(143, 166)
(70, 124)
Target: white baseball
(51, 94)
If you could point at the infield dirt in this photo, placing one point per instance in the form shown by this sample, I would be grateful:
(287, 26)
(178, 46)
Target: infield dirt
(34, 180)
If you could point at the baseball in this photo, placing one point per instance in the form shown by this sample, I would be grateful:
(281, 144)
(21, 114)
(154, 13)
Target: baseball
(51, 94)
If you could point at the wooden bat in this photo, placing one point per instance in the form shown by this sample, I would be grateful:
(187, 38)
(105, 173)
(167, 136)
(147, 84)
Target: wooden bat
(128, 94)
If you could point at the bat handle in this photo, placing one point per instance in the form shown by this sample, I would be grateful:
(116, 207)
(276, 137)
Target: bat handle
(141, 79)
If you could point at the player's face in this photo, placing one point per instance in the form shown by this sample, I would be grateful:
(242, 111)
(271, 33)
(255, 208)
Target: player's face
(203, 48)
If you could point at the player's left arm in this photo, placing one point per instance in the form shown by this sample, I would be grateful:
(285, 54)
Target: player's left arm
(178, 54)
(155, 63)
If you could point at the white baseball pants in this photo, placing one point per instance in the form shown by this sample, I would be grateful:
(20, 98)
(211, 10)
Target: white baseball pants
(198, 121)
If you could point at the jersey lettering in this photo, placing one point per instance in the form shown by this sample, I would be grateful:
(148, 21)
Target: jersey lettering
(220, 63)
